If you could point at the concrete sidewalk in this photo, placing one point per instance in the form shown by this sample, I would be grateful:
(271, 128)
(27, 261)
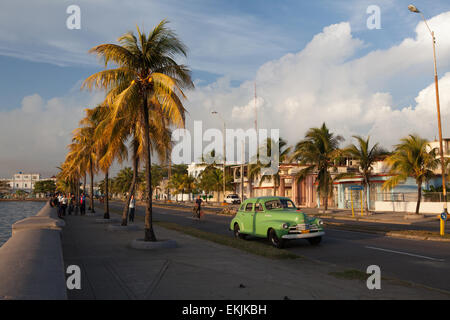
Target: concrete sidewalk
(200, 269)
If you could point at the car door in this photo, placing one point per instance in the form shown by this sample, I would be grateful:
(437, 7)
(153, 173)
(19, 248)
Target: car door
(260, 217)
(249, 216)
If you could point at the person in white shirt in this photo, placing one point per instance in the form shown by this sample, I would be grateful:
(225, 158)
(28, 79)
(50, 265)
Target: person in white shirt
(132, 208)
(64, 202)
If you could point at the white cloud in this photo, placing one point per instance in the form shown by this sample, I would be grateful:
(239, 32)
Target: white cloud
(217, 39)
(34, 137)
(324, 82)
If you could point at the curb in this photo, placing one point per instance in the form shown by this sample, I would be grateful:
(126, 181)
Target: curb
(415, 237)
(391, 234)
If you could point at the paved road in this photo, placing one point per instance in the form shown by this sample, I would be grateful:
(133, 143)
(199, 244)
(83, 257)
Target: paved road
(422, 262)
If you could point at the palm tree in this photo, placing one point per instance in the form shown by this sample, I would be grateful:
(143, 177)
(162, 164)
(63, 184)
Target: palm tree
(109, 147)
(257, 168)
(188, 184)
(175, 183)
(411, 159)
(85, 139)
(318, 151)
(366, 156)
(82, 156)
(123, 180)
(147, 81)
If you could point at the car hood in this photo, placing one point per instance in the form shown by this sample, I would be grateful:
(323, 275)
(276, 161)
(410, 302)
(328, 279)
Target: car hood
(289, 215)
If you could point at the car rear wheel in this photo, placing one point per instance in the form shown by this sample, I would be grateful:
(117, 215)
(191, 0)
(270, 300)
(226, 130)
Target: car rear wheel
(237, 232)
(276, 242)
(315, 241)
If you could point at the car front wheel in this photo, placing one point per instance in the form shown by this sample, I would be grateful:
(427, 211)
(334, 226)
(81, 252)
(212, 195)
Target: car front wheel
(237, 232)
(276, 242)
(315, 241)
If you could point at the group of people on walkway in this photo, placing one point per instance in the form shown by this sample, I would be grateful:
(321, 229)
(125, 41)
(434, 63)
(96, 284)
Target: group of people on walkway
(68, 203)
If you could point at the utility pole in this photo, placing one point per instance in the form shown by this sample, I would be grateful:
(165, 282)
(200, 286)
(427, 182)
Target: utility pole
(224, 152)
(242, 171)
(250, 184)
(414, 9)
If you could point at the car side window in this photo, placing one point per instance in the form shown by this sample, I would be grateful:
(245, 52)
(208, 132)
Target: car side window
(258, 207)
(241, 208)
(249, 207)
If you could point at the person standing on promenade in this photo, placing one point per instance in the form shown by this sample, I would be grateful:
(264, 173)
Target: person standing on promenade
(53, 201)
(64, 202)
(82, 204)
(132, 208)
(71, 203)
(58, 201)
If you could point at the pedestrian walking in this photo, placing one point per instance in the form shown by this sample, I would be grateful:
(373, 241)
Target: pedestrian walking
(82, 204)
(132, 208)
(198, 207)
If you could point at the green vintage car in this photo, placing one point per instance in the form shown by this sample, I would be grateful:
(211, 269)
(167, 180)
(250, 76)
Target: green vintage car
(277, 219)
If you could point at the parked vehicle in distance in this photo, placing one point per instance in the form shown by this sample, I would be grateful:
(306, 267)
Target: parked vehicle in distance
(275, 218)
(233, 199)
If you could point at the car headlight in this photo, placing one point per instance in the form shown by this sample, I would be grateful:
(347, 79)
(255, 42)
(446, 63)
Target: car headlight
(285, 225)
(320, 222)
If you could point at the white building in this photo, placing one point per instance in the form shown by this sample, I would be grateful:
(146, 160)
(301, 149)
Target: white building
(24, 181)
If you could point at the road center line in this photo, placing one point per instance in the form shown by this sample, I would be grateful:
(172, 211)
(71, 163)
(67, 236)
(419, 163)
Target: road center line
(405, 253)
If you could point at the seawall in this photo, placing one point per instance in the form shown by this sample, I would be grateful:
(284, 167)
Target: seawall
(31, 261)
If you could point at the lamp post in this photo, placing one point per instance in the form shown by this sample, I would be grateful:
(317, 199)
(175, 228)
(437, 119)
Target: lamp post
(414, 9)
(224, 154)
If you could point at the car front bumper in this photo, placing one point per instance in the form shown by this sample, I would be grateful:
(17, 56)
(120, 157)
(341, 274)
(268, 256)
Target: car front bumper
(303, 235)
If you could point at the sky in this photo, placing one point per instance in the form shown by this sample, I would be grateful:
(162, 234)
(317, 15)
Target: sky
(312, 62)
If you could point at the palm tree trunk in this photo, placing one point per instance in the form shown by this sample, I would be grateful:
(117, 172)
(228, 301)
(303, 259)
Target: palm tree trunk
(106, 215)
(148, 229)
(77, 195)
(91, 171)
(132, 186)
(325, 196)
(365, 199)
(84, 185)
(419, 196)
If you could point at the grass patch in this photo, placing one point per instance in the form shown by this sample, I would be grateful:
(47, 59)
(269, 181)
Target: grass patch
(350, 274)
(254, 247)
(248, 246)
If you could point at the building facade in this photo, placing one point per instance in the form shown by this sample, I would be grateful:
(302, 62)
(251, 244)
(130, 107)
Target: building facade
(24, 181)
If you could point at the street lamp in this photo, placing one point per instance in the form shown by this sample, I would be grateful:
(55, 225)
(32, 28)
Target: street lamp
(414, 9)
(224, 154)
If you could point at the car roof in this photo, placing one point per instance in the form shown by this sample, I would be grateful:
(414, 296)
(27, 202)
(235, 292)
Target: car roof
(266, 198)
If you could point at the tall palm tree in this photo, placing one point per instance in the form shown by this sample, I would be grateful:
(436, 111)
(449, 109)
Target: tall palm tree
(411, 159)
(366, 156)
(83, 154)
(318, 151)
(147, 81)
(85, 138)
(257, 168)
(109, 147)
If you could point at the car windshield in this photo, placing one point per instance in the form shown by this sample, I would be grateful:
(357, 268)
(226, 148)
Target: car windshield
(279, 204)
